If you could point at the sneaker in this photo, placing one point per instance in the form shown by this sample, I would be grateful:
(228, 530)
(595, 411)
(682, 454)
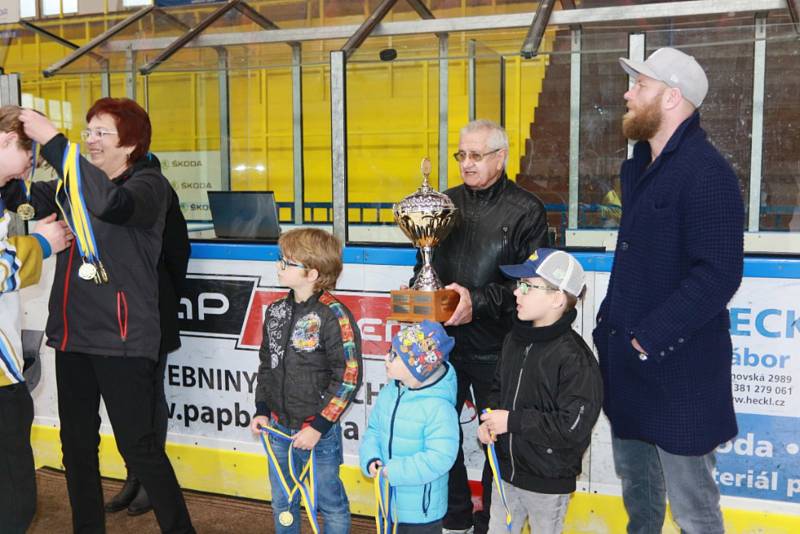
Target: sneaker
(456, 531)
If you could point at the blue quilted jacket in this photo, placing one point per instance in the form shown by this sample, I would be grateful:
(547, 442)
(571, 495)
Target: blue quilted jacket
(414, 432)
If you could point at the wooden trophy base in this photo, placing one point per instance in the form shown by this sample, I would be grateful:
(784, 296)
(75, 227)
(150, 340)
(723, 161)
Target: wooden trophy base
(414, 306)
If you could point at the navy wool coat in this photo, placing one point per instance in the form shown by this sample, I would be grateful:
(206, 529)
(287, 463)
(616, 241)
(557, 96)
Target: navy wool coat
(678, 262)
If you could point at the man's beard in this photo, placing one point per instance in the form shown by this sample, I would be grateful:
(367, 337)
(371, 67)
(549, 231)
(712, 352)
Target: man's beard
(642, 124)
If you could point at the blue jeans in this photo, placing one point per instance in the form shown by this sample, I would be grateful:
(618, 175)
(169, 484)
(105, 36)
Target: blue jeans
(649, 474)
(332, 501)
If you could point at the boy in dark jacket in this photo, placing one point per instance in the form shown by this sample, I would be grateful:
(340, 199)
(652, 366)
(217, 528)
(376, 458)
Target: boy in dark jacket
(546, 396)
(309, 374)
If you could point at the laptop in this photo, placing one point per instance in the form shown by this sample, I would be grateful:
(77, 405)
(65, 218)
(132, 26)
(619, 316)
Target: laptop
(244, 214)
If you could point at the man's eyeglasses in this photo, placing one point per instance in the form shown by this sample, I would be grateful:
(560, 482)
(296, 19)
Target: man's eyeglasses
(285, 262)
(461, 156)
(524, 287)
(97, 132)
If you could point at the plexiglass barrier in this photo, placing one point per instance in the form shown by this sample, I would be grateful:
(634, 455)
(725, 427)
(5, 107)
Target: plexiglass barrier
(236, 116)
(779, 200)
(394, 106)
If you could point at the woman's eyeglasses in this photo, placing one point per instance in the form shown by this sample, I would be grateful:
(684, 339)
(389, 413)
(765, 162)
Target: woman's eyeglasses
(524, 287)
(97, 132)
(285, 262)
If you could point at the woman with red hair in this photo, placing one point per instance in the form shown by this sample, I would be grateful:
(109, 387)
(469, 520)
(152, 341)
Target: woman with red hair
(104, 319)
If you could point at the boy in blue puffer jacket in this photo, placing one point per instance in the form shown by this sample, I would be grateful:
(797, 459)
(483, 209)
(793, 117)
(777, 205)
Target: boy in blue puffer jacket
(413, 427)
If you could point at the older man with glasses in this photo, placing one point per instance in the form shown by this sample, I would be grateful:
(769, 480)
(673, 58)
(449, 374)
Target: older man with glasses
(500, 224)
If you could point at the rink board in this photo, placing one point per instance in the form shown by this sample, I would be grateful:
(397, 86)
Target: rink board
(210, 385)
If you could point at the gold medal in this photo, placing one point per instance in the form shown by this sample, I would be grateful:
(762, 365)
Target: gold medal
(102, 272)
(26, 212)
(285, 518)
(87, 271)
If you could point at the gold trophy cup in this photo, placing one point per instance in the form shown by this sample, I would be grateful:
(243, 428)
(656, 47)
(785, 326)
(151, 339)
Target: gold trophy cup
(425, 217)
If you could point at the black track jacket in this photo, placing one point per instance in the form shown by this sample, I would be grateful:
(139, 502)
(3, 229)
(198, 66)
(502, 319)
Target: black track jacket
(549, 381)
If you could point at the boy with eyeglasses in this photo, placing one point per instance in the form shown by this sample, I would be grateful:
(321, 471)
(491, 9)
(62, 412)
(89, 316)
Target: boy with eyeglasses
(413, 428)
(546, 396)
(309, 374)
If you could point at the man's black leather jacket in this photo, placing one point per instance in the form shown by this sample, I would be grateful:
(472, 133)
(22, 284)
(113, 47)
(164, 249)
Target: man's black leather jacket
(497, 226)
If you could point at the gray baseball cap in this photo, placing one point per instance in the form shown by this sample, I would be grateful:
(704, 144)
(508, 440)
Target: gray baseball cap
(559, 268)
(675, 69)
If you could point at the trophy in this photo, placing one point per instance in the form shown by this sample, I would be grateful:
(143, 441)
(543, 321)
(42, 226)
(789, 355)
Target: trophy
(425, 217)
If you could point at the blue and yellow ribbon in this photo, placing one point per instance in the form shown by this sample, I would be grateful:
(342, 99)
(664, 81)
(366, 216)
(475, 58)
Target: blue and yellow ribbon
(385, 523)
(25, 210)
(26, 183)
(498, 482)
(78, 217)
(305, 483)
(75, 191)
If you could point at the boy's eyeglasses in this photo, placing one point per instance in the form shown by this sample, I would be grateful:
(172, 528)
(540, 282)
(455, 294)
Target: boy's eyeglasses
(99, 133)
(524, 287)
(461, 156)
(285, 262)
(391, 355)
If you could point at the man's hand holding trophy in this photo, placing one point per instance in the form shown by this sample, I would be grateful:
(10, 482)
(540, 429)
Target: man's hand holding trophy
(425, 217)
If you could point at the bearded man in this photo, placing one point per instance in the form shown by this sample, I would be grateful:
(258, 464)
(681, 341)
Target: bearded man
(663, 328)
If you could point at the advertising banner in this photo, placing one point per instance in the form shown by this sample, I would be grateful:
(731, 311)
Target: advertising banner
(192, 174)
(210, 382)
(763, 462)
(9, 12)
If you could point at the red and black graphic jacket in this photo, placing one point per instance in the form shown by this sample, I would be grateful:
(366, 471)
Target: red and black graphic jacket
(311, 366)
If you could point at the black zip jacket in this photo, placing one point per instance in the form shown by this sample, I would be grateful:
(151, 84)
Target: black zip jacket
(500, 225)
(120, 318)
(172, 266)
(311, 366)
(549, 381)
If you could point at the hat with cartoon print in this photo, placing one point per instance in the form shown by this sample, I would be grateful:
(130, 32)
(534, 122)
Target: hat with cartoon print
(557, 267)
(423, 347)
